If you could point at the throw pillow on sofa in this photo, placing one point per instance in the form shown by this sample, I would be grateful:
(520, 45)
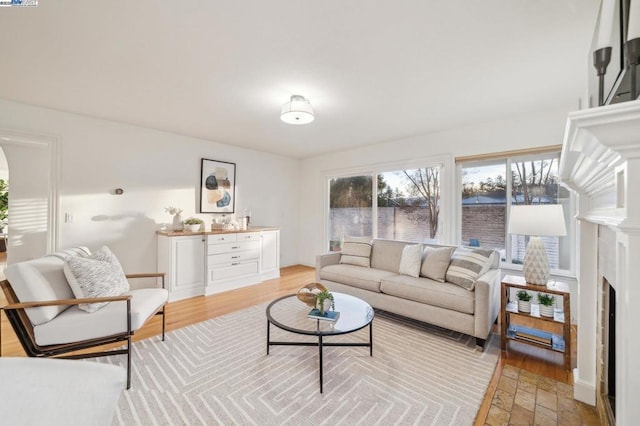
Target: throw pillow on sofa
(466, 266)
(436, 262)
(356, 251)
(411, 260)
(97, 275)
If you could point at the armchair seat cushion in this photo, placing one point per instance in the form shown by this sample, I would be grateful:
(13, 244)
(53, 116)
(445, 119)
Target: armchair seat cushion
(74, 325)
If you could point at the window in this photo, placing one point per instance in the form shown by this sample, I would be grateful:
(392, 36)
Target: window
(350, 208)
(490, 188)
(406, 206)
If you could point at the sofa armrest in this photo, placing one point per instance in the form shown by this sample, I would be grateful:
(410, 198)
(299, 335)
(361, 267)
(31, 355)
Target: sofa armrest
(487, 303)
(148, 275)
(326, 259)
(26, 305)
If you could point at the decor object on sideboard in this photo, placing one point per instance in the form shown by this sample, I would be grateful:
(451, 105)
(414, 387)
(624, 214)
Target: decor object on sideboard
(193, 224)
(297, 111)
(177, 218)
(308, 293)
(546, 304)
(217, 186)
(524, 301)
(536, 221)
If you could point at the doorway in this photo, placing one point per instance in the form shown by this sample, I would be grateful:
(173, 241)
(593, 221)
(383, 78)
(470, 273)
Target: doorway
(32, 162)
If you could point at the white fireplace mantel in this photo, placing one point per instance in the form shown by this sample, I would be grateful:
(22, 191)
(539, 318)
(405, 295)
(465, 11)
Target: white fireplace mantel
(601, 162)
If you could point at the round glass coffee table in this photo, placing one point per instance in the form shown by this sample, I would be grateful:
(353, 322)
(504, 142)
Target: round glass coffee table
(290, 314)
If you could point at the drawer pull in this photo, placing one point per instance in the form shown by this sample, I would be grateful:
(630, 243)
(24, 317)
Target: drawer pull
(235, 257)
(235, 263)
(235, 247)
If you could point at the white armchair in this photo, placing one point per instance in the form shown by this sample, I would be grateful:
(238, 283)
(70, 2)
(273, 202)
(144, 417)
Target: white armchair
(45, 316)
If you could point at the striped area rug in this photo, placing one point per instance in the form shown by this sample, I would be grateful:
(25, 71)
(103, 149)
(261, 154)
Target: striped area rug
(217, 372)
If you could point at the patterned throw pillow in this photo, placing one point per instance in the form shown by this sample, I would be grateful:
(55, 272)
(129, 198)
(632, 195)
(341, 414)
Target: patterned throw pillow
(356, 251)
(98, 275)
(466, 265)
(411, 260)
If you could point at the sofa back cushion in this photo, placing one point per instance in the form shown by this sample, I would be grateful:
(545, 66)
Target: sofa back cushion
(387, 254)
(435, 262)
(411, 260)
(39, 280)
(356, 251)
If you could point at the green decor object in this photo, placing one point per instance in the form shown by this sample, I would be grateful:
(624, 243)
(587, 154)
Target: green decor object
(546, 299)
(193, 224)
(524, 301)
(546, 304)
(4, 203)
(324, 301)
(193, 221)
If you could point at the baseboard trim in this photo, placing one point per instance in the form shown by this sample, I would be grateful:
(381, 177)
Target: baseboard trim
(583, 391)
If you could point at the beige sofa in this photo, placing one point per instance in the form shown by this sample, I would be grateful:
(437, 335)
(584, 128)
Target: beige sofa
(444, 304)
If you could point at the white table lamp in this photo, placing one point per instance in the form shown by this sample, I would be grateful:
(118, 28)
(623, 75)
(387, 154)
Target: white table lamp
(536, 221)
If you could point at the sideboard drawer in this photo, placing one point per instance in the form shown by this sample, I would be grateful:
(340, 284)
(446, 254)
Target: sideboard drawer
(217, 259)
(232, 270)
(221, 238)
(248, 236)
(221, 248)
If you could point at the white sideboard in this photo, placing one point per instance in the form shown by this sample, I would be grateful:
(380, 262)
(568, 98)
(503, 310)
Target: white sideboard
(205, 263)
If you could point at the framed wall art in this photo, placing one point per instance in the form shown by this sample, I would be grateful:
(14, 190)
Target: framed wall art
(217, 187)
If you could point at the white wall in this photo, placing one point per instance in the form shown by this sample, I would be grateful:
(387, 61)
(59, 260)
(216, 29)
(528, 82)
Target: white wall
(530, 130)
(156, 169)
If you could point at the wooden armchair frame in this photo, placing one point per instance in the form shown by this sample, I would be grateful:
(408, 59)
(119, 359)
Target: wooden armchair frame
(17, 316)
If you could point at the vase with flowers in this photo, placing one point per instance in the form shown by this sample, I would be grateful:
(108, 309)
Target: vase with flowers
(177, 218)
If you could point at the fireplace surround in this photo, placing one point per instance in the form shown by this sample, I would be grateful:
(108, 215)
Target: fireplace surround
(601, 163)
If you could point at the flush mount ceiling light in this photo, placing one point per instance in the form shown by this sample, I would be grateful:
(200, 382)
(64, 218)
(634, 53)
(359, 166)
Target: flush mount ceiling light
(297, 111)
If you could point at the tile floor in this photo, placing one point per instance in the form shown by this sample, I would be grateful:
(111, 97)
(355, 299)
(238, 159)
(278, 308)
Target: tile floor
(524, 398)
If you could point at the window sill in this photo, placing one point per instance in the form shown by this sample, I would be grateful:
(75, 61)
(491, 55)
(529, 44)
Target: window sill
(555, 273)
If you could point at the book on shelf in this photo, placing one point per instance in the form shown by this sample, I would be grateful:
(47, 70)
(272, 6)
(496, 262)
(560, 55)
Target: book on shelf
(531, 334)
(327, 316)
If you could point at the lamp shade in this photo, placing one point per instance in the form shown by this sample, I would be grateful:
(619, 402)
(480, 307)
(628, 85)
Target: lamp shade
(297, 111)
(538, 220)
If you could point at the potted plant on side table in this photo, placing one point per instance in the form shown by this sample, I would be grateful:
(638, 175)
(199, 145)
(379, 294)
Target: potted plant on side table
(546, 304)
(524, 301)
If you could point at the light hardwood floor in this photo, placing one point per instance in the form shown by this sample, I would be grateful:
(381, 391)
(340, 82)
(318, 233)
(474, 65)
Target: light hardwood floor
(190, 311)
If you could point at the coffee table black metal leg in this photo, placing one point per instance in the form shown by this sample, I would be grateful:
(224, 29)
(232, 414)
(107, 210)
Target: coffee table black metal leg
(320, 351)
(371, 338)
(268, 330)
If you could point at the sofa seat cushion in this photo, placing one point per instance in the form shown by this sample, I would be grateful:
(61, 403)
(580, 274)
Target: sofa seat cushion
(425, 290)
(75, 325)
(356, 276)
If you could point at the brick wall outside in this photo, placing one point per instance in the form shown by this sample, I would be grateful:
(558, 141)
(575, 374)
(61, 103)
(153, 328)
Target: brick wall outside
(485, 223)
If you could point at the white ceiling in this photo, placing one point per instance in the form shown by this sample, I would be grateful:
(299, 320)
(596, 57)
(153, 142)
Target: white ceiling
(374, 71)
